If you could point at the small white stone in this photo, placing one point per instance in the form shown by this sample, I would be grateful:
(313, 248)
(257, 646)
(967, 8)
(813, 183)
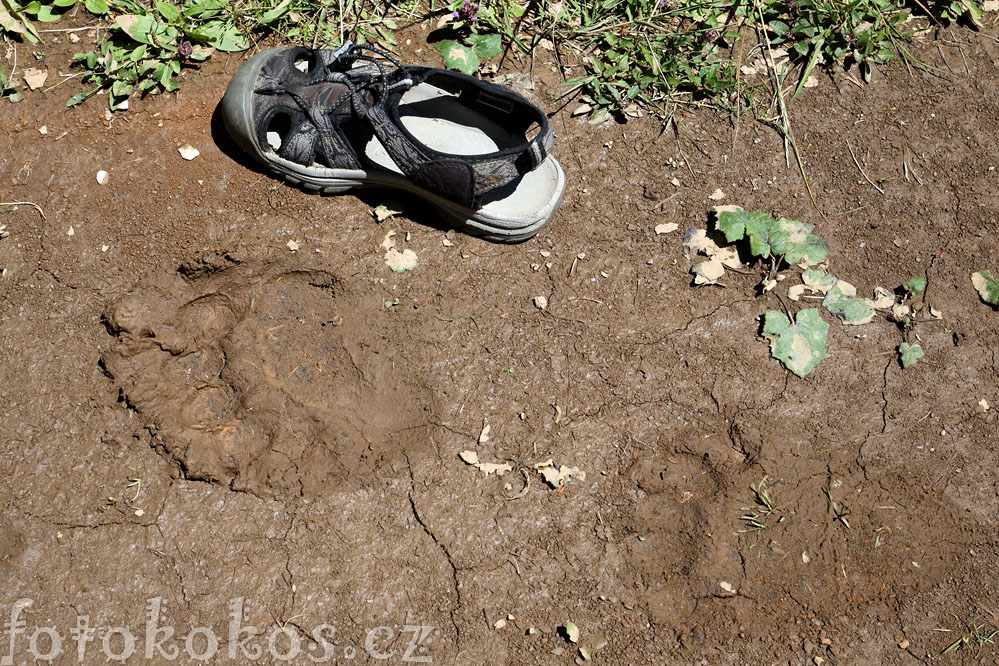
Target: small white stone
(188, 152)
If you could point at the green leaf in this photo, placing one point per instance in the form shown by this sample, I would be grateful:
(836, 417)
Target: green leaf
(458, 56)
(799, 346)
(790, 239)
(15, 97)
(914, 286)
(819, 280)
(842, 302)
(168, 11)
(63, 3)
(275, 13)
(486, 46)
(732, 221)
(78, 98)
(970, 10)
(46, 15)
(987, 286)
(226, 37)
(121, 89)
(796, 242)
(136, 26)
(909, 354)
(99, 7)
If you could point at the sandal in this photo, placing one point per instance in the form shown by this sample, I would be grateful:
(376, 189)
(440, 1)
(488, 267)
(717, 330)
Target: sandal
(332, 120)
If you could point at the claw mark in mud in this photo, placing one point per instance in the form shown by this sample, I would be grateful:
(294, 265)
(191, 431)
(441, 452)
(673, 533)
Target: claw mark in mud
(268, 379)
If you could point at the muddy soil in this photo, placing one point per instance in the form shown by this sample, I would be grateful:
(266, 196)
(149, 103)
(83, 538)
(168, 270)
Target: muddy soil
(258, 447)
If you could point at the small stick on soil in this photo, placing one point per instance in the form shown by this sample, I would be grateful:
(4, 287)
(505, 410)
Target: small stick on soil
(89, 27)
(949, 68)
(66, 77)
(24, 203)
(861, 169)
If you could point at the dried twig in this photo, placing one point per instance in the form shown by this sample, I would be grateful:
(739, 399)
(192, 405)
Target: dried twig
(861, 169)
(24, 203)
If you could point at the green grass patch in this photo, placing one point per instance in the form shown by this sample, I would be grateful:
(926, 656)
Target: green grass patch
(619, 55)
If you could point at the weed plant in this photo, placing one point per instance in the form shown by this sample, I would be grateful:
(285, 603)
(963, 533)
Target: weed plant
(619, 55)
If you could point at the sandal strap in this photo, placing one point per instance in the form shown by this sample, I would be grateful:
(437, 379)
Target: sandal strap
(464, 179)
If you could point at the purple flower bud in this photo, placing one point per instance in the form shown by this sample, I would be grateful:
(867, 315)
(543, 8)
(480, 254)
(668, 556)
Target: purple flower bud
(184, 51)
(467, 11)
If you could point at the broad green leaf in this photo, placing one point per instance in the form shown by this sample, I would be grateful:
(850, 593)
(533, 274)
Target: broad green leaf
(842, 302)
(168, 11)
(762, 234)
(796, 242)
(15, 97)
(78, 98)
(458, 56)
(46, 15)
(121, 89)
(790, 239)
(799, 346)
(228, 38)
(99, 7)
(987, 286)
(599, 117)
(818, 280)
(63, 3)
(486, 46)
(914, 286)
(909, 354)
(136, 26)
(733, 221)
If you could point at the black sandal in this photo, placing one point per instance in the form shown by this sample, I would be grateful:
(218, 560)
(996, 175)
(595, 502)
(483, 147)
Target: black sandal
(332, 120)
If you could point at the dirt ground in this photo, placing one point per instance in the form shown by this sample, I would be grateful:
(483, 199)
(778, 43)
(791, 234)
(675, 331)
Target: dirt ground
(205, 430)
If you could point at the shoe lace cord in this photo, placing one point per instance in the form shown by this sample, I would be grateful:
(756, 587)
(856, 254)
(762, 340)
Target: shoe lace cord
(339, 68)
